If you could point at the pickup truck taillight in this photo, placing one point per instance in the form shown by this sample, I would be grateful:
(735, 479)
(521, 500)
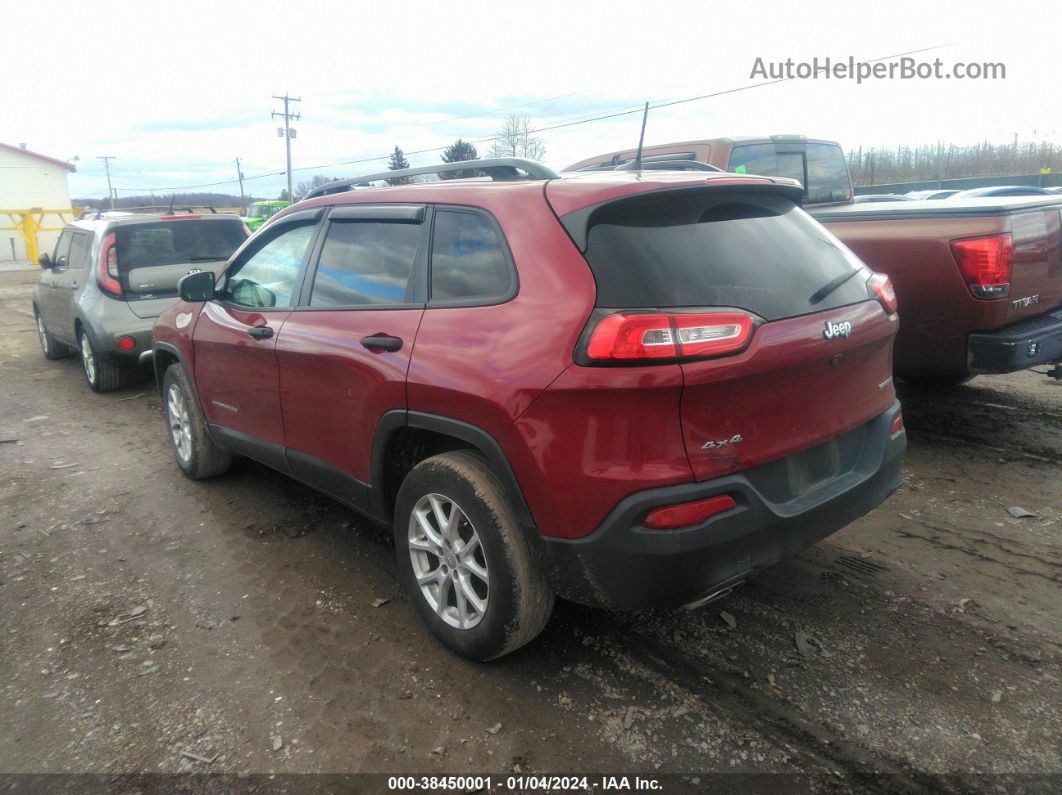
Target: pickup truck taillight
(107, 272)
(986, 263)
(631, 337)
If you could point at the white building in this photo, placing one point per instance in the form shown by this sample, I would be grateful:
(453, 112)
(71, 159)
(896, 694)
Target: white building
(27, 180)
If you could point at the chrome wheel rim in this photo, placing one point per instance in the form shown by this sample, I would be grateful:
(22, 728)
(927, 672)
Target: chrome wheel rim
(42, 334)
(448, 561)
(180, 423)
(88, 361)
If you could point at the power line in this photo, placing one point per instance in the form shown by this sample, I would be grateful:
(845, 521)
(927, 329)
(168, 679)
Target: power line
(617, 113)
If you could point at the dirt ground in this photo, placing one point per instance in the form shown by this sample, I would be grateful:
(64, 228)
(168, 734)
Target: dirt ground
(143, 615)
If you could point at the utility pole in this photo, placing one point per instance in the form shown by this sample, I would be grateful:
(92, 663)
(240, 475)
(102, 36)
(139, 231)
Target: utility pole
(287, 133)
(107, 165)
(239, 176)
(940, 164)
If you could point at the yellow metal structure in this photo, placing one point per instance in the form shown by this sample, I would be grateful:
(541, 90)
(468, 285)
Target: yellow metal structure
(29, 222)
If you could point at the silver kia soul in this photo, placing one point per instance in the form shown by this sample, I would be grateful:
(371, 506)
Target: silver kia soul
(111, 275)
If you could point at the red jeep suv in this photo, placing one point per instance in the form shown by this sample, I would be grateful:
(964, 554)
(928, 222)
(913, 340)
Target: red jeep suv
(630, 389)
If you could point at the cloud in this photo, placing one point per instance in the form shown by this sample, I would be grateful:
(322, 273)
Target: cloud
(192, 91)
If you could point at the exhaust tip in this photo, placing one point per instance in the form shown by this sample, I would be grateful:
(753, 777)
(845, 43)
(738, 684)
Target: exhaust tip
(711, 596)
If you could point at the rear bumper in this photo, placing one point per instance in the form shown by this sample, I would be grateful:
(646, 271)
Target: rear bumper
(624, 565)
(1018, 346)
(107, 346)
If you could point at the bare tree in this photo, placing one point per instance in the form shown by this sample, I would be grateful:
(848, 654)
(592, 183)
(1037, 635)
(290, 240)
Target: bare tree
(515, 139)
(308, 185)
(883, 165)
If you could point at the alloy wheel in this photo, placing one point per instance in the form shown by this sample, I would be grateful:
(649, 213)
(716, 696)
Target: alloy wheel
(42, 334)
(88, 360)
(180, 423)
(448, 561)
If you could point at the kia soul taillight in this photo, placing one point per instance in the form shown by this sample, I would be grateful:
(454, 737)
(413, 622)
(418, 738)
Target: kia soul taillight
(107, 273)
(630, 337)
(986, 264)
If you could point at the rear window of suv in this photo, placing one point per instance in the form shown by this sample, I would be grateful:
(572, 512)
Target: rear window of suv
(177, 242)
(708, 248)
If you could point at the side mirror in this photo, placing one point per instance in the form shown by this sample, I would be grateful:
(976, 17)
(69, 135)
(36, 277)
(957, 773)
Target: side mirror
(45, 261)
(196, 287)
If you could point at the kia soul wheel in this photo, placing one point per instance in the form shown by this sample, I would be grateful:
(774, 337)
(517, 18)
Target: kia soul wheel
(474, 578)
(50, 346)
(101, 376)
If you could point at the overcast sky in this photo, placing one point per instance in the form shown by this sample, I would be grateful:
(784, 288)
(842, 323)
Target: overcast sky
(176, 91)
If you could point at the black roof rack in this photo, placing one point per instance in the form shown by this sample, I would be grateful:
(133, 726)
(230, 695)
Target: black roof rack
(161, 208)
(501, 169)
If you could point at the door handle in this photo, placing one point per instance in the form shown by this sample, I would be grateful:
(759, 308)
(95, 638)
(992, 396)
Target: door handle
(381, 342)
(260, 332)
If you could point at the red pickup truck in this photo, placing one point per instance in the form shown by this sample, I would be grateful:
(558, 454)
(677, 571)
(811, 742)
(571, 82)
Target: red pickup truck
(979, 281)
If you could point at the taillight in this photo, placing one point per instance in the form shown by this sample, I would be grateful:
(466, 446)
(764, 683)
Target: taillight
(897, 425)
(986, 263)
(107, 272)
(881, 288)
(631, 337)
(687, 514)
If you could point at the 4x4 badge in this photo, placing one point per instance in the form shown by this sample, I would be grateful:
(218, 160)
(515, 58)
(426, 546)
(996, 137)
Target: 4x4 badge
(832, 330)
(712, 444)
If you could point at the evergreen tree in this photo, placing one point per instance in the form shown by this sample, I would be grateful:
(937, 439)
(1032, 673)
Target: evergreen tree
(398, 161)
(458, 152)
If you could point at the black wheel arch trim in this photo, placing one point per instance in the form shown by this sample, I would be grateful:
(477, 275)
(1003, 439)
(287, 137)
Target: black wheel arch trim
(475, 436)
(161, 373)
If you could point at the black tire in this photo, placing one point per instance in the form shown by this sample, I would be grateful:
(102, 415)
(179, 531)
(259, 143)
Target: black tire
(201, 458)
(50, 346)
(934, 382)
(100, 375)
(519, 599)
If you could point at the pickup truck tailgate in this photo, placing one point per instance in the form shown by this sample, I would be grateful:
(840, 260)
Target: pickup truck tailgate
(912, 242)
(1036, 281)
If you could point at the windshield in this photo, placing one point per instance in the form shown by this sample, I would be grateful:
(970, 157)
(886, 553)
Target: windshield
(261, 211)
(701, 248)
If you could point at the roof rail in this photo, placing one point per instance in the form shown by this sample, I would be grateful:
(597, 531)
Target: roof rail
(501, 169)
(668, 165)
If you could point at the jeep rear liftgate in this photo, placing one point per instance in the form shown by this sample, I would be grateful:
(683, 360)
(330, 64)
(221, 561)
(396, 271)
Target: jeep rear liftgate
(781, 343)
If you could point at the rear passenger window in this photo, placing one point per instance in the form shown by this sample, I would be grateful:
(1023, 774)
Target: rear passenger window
(468, 262)
(79, 250)
(365, 263)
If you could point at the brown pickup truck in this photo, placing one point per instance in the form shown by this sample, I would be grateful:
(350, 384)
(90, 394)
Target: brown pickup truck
(979, 281)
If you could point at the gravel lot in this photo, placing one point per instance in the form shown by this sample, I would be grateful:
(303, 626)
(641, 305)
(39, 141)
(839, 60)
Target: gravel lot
(240, 619)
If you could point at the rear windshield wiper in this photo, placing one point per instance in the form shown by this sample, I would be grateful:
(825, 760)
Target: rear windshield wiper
(206, 259)
(830, 286)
